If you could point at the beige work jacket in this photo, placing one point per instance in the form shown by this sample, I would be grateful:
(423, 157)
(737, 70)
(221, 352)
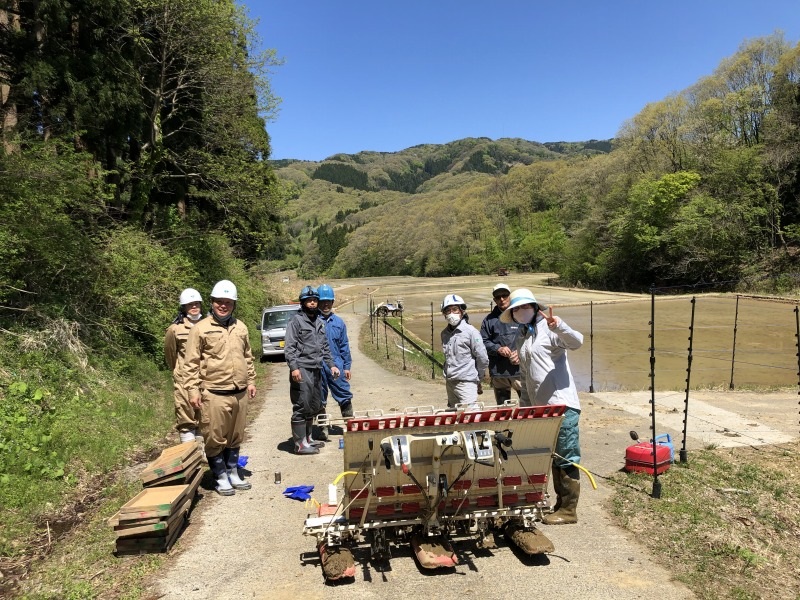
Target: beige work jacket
(175, 346)
(218, 358)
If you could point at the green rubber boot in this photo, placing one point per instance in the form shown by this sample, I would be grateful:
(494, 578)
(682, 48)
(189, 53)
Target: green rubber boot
(567, 513)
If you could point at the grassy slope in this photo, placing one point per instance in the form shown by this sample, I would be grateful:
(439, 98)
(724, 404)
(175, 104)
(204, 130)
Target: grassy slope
(727, 523)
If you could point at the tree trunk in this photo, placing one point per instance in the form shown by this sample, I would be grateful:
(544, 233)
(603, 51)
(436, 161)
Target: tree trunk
(9, 21)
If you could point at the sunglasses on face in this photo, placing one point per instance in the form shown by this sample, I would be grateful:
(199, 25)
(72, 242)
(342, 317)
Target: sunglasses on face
(500, 296)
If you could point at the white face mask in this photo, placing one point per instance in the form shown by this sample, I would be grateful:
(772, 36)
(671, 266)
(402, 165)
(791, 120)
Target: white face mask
(523, 315)
(453, 319)
(196, 317)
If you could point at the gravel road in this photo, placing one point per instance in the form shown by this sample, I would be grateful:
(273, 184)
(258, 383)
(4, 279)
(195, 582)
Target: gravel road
(251, 545)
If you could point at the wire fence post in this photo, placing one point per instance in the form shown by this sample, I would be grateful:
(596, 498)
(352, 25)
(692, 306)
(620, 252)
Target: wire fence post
(797, 344)
(433, 362)
(656, 483)
(371, 328)
(591, 347)
(377, 335)
(386, 338)
(403, 340)
(683, 453)
(733, 353)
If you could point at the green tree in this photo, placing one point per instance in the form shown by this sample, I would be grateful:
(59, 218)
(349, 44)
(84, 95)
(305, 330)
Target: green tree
(640, 230)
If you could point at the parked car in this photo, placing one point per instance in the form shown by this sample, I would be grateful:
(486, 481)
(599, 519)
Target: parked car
(273, 328)
(388, 308)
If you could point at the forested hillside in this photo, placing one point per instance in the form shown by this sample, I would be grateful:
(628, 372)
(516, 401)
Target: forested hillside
(132, 165)
(700, 187)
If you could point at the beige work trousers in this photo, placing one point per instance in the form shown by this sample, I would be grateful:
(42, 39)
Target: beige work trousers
(187, 417)
(223, 420)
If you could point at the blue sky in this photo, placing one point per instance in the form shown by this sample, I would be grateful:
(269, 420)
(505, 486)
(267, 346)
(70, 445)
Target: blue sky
(385, 75)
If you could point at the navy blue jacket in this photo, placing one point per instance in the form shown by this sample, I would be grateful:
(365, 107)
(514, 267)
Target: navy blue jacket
(497, 334)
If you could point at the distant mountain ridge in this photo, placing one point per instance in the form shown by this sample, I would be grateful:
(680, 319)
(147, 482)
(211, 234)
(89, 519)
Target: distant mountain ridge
(407, 170)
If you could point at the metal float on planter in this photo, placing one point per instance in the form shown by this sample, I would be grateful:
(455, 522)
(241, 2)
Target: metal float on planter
(432, 477)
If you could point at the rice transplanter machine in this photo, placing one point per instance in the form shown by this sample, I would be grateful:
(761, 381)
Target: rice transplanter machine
(430, 477)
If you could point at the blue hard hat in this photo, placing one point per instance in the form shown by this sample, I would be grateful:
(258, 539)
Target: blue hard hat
(308, 292)
(325, 292)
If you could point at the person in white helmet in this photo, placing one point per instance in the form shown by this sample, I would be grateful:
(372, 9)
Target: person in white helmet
(545, 378)
(465, 358)
(189, 313)
(220, 378)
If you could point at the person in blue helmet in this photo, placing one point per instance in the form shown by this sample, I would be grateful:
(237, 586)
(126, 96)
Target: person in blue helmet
(306, 348)
(336, 331)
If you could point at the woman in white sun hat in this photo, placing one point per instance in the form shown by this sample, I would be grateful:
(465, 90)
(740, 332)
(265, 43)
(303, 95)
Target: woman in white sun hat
(545, 378)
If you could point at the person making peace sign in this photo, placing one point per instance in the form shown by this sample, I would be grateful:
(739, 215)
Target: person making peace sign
(545, 378)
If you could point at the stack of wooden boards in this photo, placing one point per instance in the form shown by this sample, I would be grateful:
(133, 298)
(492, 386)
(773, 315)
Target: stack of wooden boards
(153, 519)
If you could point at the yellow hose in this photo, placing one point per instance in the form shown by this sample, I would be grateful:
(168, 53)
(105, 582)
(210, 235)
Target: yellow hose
(585, 470)
(342, 474)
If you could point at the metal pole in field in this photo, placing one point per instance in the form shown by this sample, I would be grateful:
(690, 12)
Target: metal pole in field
(377, 335)
(433, 362)
(656, 483)
(735, 326)
(591, 348)
(797, 343)
(385, 338)
(683, 454)
(403, 340)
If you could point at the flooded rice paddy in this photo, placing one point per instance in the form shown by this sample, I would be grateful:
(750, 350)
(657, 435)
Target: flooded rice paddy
(616, 328)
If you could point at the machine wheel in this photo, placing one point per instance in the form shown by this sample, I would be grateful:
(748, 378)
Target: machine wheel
(382, 311)
(396, 312)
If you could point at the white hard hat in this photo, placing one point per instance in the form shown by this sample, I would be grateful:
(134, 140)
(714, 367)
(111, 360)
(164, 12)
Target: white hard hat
(190, 295)
(224, 289)
(453, 299)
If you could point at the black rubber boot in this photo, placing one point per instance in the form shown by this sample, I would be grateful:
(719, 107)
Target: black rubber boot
(309, 438)
(500, 396)
(347, 410)
(301, 445)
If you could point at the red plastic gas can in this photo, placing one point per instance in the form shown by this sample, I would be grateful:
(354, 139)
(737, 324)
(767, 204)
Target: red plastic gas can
(639, 457)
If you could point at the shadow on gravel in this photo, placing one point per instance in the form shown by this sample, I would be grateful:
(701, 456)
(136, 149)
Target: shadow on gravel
(530, 560)
(208, 483)
(286, 446)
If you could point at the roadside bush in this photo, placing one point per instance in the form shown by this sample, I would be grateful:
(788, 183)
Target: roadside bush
(48, 216)
(137, 290)
(63, 421)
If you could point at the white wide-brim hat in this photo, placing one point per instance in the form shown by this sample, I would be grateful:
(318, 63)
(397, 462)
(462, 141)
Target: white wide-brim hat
(518, 298)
